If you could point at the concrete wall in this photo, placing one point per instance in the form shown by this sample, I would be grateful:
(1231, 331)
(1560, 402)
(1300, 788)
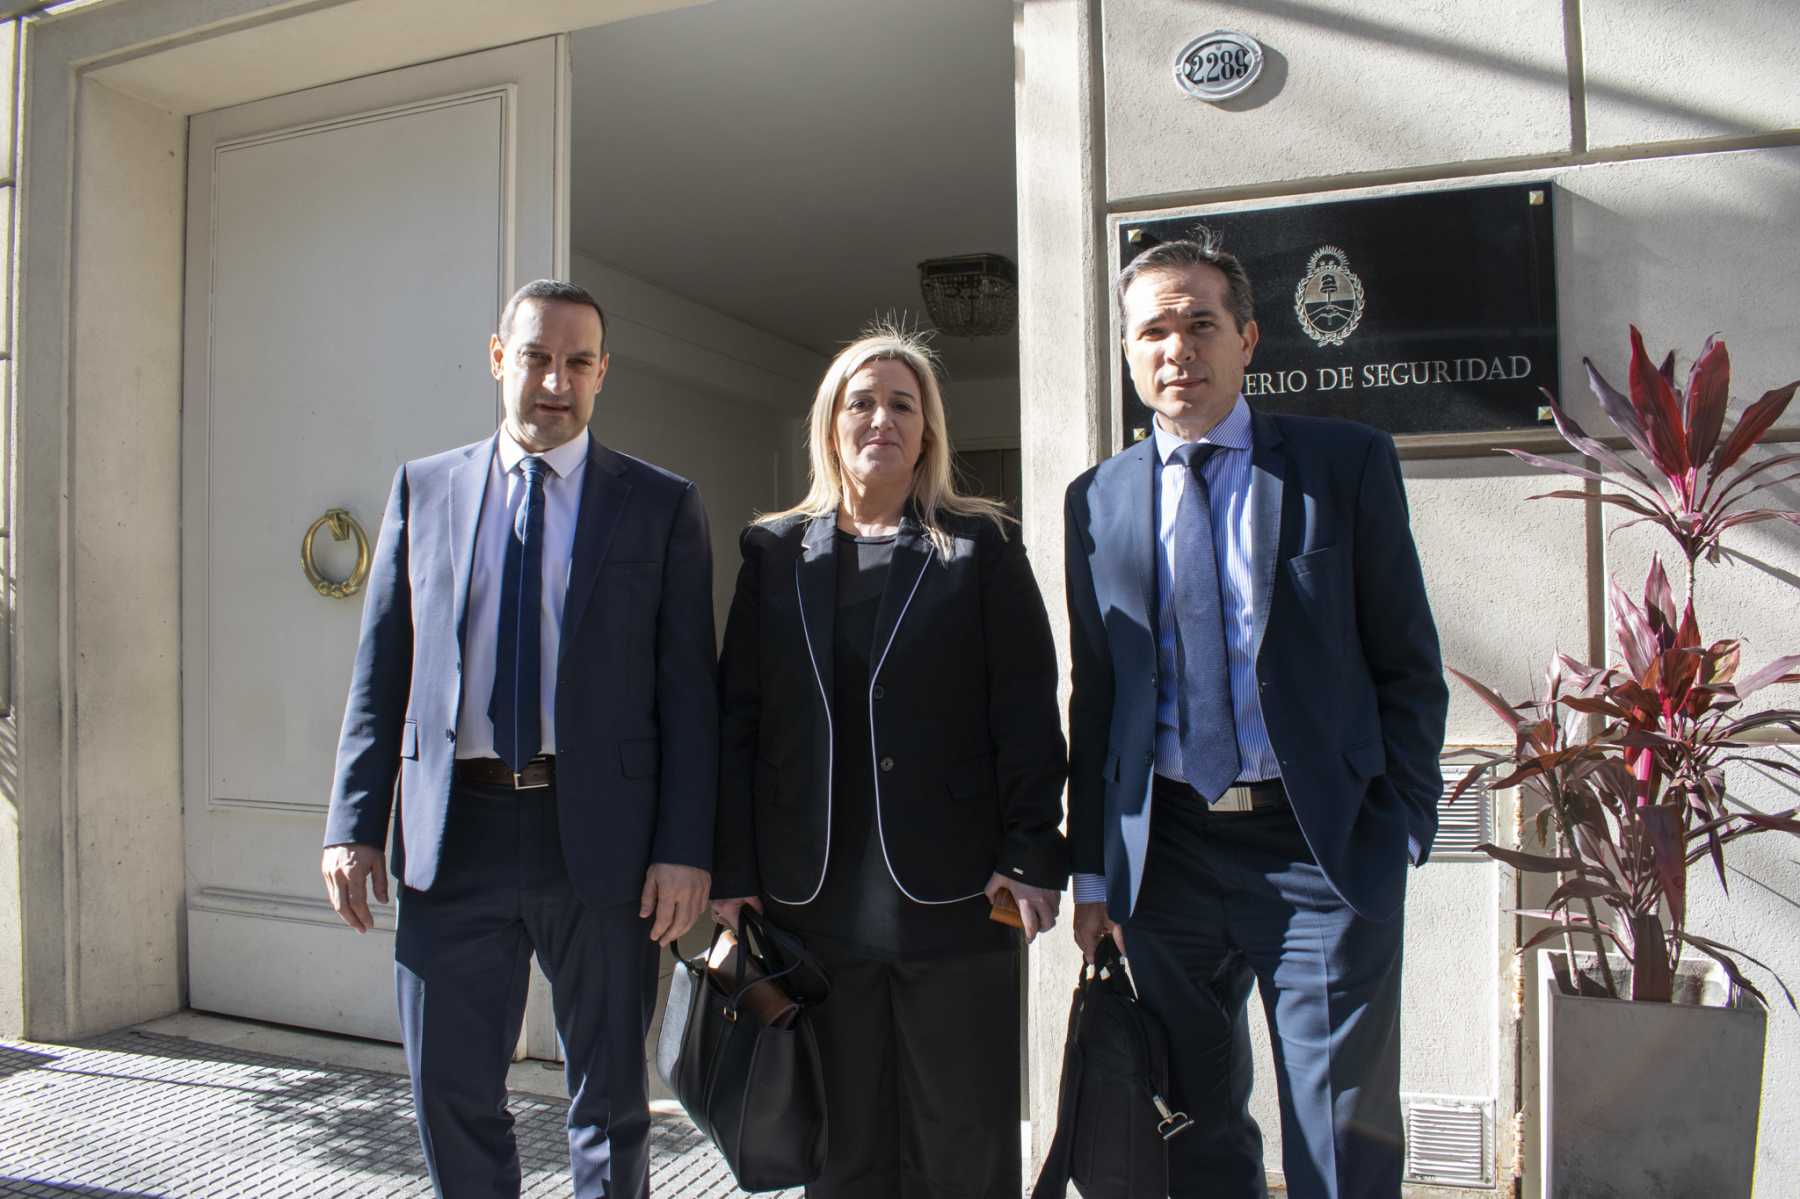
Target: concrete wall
(12, 944)
(1670, 133)
(125, 731)
(703, 395)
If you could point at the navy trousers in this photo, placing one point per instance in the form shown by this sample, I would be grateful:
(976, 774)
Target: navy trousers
(462, 961)
(1229, 898)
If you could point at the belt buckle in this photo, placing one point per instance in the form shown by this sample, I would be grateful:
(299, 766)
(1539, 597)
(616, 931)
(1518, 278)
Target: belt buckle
(519, 783)
(1237, 798)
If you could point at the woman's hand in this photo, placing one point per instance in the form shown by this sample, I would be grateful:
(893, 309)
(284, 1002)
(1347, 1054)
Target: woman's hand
(725, 911)
(1037, 905)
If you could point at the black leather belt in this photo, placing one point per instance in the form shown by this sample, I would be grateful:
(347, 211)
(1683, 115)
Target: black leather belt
(492, 772)
(1261, 796)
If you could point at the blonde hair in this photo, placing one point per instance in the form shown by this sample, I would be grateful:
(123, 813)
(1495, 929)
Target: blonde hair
(934, 490)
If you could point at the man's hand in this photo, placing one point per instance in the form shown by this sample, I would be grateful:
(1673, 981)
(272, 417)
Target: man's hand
(347, 870)
(1037, 905)
(675, 896)
(725, 911)
(1092, 923)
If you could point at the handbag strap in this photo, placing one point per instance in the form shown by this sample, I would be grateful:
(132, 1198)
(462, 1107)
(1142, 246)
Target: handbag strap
(1053, 1179)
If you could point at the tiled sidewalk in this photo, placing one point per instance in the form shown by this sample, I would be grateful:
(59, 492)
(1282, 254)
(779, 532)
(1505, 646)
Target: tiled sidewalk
(139, 1115)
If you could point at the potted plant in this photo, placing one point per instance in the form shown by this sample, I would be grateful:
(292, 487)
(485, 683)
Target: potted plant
(1622, 773)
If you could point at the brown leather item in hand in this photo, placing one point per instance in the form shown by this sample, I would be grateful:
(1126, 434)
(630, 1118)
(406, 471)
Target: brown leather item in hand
(1006, 909)
(766, 1001)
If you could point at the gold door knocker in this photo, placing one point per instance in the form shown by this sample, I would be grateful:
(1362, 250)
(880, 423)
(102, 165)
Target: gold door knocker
(342, 525)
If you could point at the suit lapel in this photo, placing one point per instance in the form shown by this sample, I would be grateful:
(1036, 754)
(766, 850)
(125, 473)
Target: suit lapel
(912, 555)
(1268, 478)
(468, 490)
(815, 578)
(1131, 522)
(604, 491)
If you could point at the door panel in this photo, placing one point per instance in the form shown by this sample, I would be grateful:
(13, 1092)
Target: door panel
(349, 249)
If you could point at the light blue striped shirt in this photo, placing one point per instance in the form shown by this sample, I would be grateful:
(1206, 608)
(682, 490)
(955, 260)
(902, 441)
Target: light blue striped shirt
(1228, 487)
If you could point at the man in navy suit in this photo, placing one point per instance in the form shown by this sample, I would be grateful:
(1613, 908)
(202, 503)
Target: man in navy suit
(1257, 712)
(536, 666)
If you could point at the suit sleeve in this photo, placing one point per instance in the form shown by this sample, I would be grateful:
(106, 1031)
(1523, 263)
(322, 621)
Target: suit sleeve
(687, 704)
(740, 715)
(1090, 694)
(368, 758)
(1030, 757)
(1400, 645)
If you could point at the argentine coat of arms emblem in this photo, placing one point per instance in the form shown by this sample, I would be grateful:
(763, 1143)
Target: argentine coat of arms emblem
(1329, 300)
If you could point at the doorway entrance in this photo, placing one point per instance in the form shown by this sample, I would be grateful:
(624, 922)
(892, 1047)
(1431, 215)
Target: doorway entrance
(743, 184)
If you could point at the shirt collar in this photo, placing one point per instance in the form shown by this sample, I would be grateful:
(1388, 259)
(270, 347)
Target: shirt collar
(564, 459)
(1232, 433)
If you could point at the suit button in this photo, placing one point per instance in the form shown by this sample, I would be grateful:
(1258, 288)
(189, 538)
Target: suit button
(887, 764)
(880, 692)
(1150, 757)
(1154, 682)
(449, 734)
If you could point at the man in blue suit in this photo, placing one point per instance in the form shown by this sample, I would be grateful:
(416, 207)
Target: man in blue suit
(536, 666)
(1257, 712)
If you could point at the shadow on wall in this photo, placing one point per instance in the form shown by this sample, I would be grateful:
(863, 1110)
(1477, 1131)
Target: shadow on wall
(1334, 20)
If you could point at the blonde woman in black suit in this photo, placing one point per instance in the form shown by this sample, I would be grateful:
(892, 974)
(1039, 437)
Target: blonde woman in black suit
(892, 759)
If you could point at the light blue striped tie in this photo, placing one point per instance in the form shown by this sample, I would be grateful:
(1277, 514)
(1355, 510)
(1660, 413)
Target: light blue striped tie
(1209, 749)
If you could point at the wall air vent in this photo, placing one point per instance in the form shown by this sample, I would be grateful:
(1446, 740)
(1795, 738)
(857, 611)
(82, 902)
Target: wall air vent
(1449, 1140)
(1464, 824)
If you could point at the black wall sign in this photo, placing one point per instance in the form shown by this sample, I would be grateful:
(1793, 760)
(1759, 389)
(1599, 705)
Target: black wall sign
(1433, 312)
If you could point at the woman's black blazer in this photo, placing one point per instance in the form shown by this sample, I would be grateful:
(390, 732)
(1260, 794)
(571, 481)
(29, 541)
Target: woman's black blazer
(968, 756)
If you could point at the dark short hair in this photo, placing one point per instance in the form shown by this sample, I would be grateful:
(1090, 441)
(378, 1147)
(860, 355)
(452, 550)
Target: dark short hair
(550, 289)
(1204, 248)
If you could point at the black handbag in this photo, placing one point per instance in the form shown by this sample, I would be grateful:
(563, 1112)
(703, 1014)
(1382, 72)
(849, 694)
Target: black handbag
(743, 1063)
(1113, 1123)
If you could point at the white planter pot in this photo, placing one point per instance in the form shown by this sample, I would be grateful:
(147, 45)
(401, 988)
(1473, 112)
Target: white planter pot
(1648, 1100)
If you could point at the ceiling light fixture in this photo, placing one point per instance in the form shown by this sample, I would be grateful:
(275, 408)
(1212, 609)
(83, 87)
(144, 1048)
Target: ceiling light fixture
(971, 295)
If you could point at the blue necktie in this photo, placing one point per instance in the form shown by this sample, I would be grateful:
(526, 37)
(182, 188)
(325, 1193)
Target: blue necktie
(1209, 749)
(516, 705)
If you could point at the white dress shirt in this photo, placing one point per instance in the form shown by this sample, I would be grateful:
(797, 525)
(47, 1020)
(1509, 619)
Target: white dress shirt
(1228, 491)
(499, 505)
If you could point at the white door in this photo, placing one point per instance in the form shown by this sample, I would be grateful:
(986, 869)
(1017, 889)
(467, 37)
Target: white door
(349, 249)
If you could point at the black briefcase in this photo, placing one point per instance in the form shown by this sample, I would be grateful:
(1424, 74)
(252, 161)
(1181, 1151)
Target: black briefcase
(738, 1052)
(1113, 1123)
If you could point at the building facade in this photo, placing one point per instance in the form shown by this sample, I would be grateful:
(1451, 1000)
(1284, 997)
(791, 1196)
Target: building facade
(1667, 135)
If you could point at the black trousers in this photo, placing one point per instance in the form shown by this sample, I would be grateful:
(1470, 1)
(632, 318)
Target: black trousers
(921, 1078)
(1232, 898)
(462, 961)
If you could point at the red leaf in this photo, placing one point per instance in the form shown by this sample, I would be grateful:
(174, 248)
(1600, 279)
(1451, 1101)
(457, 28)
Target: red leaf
(1564, 468)
(1491, 698)
(1537, 863)
(1663, 824)
(1593, 447)
(1723, 954)
(1585, 888)
(1750, 472)
(1632, 628)
(1752, 425)
(1659, 601)
(1654, 400)
(1709, 384)
(1618, 410)
(1757, 516)
(1781, 670)
(1687, 636)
